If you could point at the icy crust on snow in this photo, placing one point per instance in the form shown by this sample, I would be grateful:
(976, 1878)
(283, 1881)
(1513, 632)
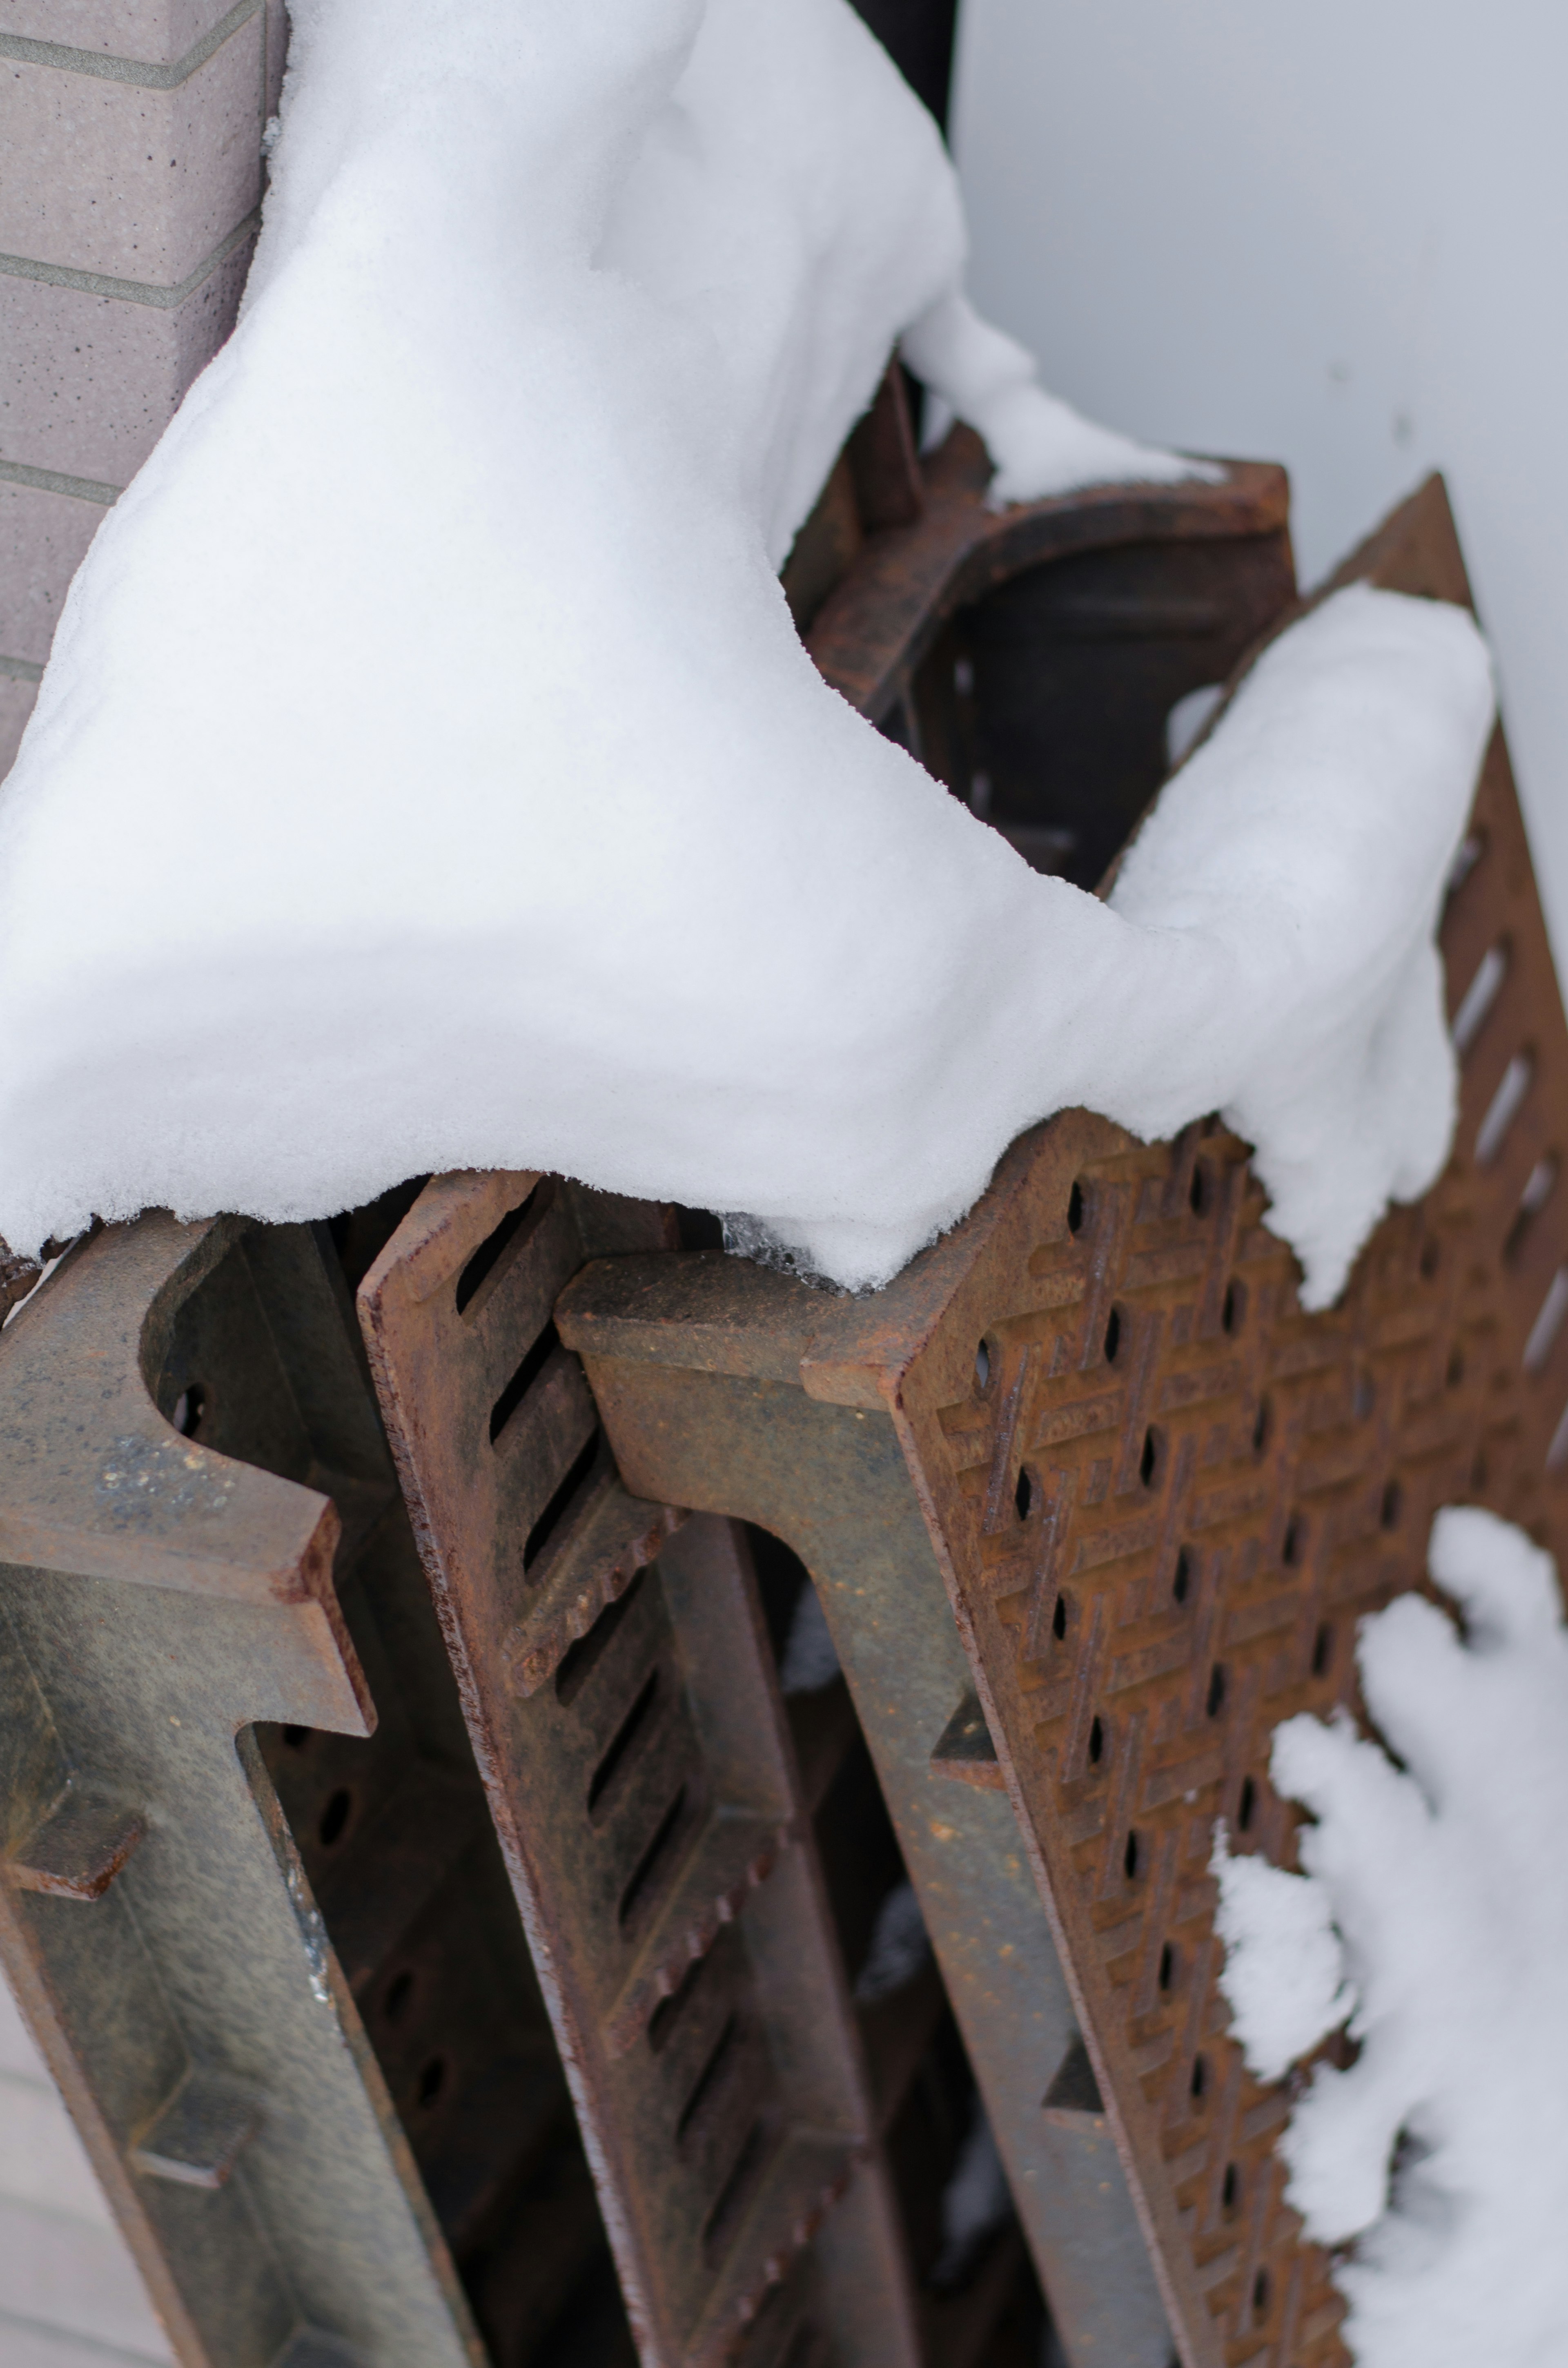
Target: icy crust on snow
(1434, 1900)
(429, 775)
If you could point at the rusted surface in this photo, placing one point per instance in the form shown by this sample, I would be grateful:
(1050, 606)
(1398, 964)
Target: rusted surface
(870, 636)
(618, 1685)
(1161, 1496)
(271, 1954)
(238, 1399)
(157, 1596)
(697, 1364)
(1029, 656)
(17, 1277)
(965, 1751)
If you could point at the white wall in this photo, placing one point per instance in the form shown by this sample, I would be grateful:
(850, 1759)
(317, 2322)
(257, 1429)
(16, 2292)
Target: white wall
(1333, 232)
(70, 2294)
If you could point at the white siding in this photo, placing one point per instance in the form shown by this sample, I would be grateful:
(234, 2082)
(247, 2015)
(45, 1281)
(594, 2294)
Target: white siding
(1335, 235)
(70, 2297)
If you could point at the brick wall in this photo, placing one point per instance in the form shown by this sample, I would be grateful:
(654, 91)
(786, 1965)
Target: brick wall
(131, 177)
(130, 182)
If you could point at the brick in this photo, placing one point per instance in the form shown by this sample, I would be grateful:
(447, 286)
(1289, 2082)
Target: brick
(111, 179)
(43, 539)
(88, 383)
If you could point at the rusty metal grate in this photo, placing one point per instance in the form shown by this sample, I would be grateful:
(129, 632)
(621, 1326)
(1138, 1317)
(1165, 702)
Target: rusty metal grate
(1161, 1496)
(590, 1670)
(227, 1346)
(768, 2160)
(1170, 1495)
(274, 1962)
(616, 1670)
(1029, 656)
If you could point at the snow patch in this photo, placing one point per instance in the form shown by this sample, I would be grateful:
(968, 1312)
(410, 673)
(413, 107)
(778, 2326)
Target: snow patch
(1284, 1965)
(900, 1946)
(1442, 2150)
(428, 776)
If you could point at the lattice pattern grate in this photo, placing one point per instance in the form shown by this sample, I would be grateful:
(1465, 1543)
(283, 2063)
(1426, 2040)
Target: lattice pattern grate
(1168, 1496)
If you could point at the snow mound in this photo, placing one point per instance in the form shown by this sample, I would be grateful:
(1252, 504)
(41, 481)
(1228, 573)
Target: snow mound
(1284, 1965)
(428, 776)
(1443, 2150)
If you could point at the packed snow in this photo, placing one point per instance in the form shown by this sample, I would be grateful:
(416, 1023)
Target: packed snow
(1434, 1912)
(428, 774)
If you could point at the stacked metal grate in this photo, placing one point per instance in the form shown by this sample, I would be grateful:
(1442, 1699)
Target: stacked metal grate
(454, 1938)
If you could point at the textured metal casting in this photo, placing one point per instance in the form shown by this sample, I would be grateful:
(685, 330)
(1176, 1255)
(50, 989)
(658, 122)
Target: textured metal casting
(1158, 1497)
(1030, 655)
(346, 2124)
(695, 1363)
(270, 1956)
(620, 1690)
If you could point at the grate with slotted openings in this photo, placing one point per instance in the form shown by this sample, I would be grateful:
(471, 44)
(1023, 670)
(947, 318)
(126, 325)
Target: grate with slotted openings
(1169, 1495)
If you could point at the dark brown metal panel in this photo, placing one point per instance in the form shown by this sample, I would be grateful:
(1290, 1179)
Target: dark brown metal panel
(616, 1682)
(870, 635)
(1029, 656)
(1161, 1496)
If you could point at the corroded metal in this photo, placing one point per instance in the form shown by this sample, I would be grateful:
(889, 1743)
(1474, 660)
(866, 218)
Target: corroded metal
(1159, 1495)
(698, 1366)
(907, 585)
(250, 1900)
(946, 623)
(1030, 655)
(619, 1690)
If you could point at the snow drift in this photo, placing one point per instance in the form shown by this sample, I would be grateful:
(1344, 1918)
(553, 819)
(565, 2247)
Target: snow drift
(428, 774)
(1434, 1905)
